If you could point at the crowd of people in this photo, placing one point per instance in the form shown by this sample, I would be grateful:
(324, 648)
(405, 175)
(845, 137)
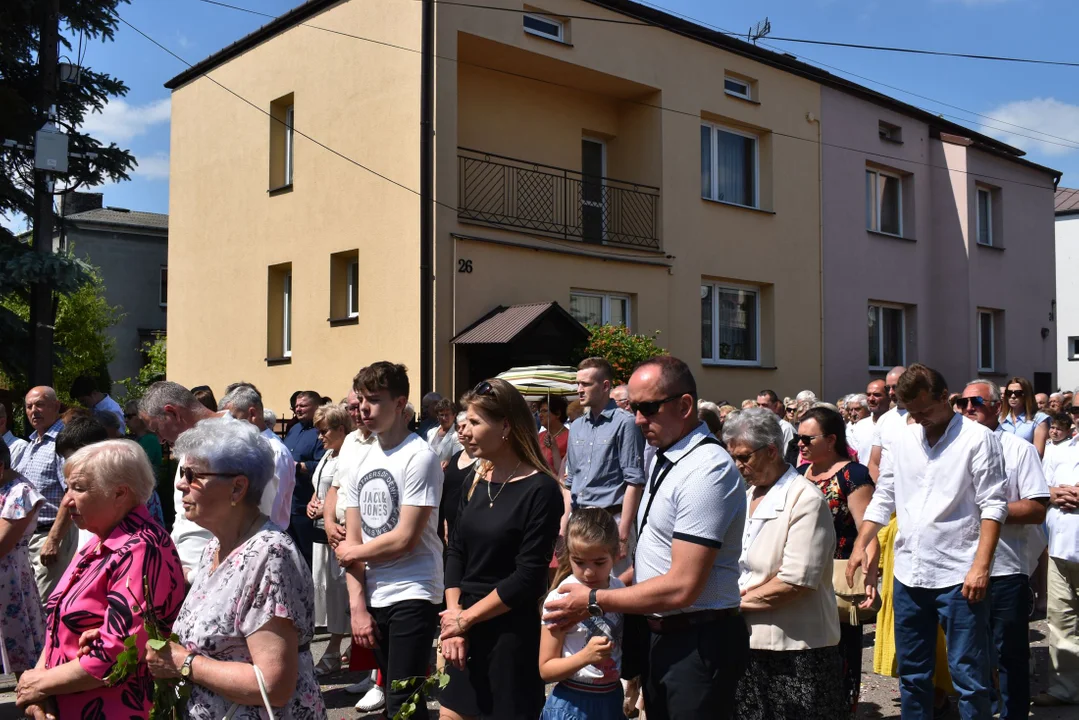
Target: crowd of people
(640, 548)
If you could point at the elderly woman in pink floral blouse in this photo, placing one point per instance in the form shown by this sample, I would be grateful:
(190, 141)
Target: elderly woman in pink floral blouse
(103, 590)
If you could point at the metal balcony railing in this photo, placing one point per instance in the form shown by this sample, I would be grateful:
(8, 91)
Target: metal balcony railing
(507, 192)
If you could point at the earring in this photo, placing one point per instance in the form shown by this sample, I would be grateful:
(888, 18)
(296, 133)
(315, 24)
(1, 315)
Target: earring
(233, 503)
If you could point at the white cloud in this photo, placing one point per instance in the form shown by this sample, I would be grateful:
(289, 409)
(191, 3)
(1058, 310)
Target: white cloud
(183, 40)
(1045, 115)
(121, 121)
(152, 167)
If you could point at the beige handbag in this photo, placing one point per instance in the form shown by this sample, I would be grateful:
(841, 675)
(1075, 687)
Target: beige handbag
(848, 597)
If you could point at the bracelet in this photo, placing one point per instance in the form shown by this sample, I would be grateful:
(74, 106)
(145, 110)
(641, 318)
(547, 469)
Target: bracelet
(457, 619)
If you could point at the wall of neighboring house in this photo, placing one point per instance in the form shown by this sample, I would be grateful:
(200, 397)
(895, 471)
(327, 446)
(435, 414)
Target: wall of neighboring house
(233, 239)
(644, 92)
(130, 268)
(1067, 310)
(933, 272)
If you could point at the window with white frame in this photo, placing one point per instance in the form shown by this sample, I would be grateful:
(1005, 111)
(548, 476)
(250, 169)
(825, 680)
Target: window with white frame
(737, 87)
(163, 287)
(544, 26)
(591, 308)
(729, 165)
(884, 202)
(983, 223)
(987, 356)
(1073, 348)
(289, 118)
(887, 330)
(286, 314)
(730, 324)
(353, 289)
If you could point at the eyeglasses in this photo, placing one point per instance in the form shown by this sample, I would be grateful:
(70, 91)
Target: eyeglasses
(744, 459)
(890, 388)
(807, 440)
(484, 388)
(791, 409)
(1014, 393)
(1073, 410)
(648, 408)
(975, 401)
(190, 476)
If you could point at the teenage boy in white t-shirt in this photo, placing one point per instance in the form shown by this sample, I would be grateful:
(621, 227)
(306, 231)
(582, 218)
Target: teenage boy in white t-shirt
(392, 550)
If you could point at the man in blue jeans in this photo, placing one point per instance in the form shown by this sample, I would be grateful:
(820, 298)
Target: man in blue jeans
(1021, 543)
(944, 477)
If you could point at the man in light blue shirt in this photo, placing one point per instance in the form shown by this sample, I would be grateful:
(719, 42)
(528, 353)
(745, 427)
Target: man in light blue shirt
(603, 460)
(85, 391)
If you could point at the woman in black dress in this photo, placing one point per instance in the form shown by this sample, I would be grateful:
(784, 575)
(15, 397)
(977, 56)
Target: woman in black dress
(496, 562)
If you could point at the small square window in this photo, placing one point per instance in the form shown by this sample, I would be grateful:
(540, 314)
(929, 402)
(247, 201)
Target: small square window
(595, 308)
(544, 26)
(737, 88)
(890, 132)
(1073, 348)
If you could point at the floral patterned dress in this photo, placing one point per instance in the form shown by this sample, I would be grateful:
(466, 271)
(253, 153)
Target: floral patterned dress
(22, 626)
(262, 579)
(104, 588)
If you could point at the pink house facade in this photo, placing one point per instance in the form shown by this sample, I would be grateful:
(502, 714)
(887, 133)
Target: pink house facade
(937, 247)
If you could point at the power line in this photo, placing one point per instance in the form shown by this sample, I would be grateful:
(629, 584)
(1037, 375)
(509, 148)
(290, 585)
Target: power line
(918, 51)
(1071, 144)
(695, 115)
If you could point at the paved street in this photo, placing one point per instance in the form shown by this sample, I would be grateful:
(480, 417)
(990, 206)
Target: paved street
(880, 695)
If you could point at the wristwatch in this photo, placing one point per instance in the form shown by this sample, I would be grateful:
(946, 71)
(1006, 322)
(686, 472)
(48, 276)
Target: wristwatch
(593, 607)
(185, 669)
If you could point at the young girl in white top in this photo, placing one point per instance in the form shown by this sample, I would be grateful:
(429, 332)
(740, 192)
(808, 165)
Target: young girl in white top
(586, 659)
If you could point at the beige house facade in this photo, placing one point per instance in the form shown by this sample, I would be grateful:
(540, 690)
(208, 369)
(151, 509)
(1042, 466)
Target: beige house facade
(594, 161)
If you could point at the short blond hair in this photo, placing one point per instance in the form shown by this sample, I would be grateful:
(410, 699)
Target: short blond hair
(334, 416)
(114, 463)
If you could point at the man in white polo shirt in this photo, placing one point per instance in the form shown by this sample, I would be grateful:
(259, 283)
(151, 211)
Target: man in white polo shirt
(1021, 543)
(944, 477)
(1062, 474)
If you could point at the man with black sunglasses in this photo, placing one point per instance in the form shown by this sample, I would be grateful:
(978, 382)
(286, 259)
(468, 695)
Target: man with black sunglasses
(603, 459)
(685, 573)
(1021, 544)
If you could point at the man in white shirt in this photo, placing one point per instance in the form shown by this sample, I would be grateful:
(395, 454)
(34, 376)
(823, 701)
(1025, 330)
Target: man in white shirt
(865, 430)
(244, 402)
(169, 410)
(16, 446)
(1021, 543)
(769, 400)
(944, 477)
(889, 422)
(1062, 474)
(392, 550)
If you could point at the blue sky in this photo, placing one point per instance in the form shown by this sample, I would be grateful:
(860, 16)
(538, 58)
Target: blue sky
(1039, 98)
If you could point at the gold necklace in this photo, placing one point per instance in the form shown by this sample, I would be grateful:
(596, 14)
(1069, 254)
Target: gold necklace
(491, 500)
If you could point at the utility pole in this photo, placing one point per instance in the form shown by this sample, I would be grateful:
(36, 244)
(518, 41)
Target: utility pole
(427, 185)
(41, 295)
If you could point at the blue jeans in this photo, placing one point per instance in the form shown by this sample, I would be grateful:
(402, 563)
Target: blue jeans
(566, 703)
(918, 611)
(1009, 598)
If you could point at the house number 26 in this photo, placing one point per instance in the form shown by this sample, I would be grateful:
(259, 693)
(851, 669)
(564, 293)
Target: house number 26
(464, 266)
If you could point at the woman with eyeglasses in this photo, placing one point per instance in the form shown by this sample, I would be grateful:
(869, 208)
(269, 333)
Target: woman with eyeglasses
(795, 669)
(847, 489)
(496, 562)
(1021, 415)
(128, 571)
(251, 602)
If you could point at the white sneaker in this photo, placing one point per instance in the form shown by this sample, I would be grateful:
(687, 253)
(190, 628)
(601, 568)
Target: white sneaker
(374, 700)
(359, 688)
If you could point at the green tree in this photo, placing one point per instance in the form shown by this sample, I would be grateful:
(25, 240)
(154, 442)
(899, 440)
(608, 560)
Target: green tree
(20, 267)
(84, 347)
(151, 372)
(622, 349)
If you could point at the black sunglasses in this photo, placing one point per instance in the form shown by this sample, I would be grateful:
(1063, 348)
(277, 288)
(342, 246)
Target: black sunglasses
(190, 476)
(807, 440)
(1073, 410)
(484, 388)
(648, 408)
(975, 401)
(1014, 393)
(743, 459)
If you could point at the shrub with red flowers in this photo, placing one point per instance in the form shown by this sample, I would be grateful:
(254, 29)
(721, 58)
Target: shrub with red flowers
(622, 349)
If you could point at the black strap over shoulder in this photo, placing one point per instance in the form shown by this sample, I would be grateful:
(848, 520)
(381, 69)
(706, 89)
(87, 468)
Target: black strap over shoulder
(658, 477)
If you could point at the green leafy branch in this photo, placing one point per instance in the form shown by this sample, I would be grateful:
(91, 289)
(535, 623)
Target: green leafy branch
(426, 686)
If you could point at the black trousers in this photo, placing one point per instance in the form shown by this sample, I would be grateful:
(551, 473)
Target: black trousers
(694, 673)
(406, 631)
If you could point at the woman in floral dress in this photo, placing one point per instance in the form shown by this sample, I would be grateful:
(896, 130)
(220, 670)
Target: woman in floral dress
(22, 627)
(848, 488)
(251, 600)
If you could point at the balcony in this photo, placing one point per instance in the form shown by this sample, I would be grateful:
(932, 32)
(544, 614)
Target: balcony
(506, 192)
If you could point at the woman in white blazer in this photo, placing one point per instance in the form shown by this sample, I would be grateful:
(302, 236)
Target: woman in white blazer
(795, 669)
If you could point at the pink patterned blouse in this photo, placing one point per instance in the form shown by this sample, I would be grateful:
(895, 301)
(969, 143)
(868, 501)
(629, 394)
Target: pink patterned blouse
(103, 588)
